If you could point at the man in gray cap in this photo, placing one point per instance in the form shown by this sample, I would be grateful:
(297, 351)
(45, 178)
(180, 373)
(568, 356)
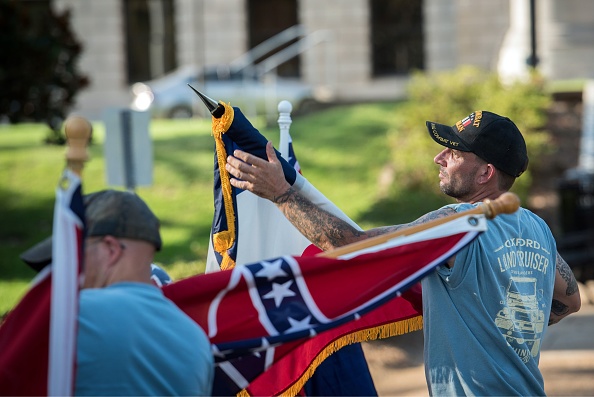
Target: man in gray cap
(131, 339)
(486, 309)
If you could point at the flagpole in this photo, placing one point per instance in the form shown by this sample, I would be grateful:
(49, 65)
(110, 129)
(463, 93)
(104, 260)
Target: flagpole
(66, 255)
(507, 203)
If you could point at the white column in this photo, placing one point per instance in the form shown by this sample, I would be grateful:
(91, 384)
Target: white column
(586, 159)
(515, 50)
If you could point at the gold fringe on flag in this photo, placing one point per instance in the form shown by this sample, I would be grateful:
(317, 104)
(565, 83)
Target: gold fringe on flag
(224, 240)
(379, 332)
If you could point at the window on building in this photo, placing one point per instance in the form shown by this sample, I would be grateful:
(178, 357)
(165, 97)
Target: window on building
(150, 38)
(396, 36)
(267, 18)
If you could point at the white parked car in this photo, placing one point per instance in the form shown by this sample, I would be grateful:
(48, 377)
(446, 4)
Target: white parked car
(170, 96)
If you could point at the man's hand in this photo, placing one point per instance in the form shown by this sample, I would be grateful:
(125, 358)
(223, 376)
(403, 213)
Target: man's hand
(264, 178)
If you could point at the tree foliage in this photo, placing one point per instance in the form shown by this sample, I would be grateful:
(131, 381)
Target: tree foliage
(38, 64)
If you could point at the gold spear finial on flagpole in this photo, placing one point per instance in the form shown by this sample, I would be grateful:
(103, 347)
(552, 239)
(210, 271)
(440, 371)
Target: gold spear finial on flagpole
(78, 134)
(507, 203)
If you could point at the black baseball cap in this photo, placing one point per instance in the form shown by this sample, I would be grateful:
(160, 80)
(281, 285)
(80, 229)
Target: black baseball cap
(494, 138)
(108, 212)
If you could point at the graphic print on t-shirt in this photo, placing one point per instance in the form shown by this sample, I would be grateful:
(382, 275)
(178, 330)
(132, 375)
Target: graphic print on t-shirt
(522, 318)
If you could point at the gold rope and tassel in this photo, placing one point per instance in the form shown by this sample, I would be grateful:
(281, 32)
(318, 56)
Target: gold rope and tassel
(379, 332)
(224, 240)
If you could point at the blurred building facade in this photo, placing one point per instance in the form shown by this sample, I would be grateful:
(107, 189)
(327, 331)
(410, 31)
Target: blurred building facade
(351, 50)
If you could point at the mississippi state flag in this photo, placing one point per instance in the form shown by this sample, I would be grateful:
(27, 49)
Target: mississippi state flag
(38, 337)
(285, 301)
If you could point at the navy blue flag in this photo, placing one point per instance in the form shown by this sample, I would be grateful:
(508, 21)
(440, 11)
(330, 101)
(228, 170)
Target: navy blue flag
(245, 227)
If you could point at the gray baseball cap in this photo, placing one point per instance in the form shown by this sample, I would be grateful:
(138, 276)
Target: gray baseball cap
(107, 212)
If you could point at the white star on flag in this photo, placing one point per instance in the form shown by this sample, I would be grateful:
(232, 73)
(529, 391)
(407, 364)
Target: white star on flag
(280, 292)
(257, 351)
(265, 345)
(216, 352)
(271, 270)
(298, 325)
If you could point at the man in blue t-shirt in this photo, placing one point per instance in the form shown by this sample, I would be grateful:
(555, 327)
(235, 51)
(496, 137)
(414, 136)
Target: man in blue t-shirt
(486, 309)
(132, 341)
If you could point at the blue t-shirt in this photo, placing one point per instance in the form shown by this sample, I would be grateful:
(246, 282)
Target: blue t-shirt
(133, 341)
(485, 318)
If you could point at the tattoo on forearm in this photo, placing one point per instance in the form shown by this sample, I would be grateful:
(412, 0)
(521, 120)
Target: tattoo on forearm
(559, 308)
(567, 275)
(430, 216)
(384, 230)
(328, 231)
(433, 215)
(320, 227)
(283, 198)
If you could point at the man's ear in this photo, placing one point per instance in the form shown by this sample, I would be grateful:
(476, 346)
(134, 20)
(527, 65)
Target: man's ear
(115, 249)
(486, 173)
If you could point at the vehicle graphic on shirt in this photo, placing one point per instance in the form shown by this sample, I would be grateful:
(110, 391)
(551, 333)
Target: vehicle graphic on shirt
(521, 320)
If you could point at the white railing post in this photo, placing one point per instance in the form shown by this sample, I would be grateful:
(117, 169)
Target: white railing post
(284, 124)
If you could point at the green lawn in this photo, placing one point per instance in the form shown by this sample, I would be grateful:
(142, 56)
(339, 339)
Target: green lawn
(342, 151)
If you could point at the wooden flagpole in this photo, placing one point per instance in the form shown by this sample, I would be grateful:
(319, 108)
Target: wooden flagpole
(64, 288)
(507, 203)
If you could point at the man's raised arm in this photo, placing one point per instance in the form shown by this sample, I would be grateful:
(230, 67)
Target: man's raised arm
(265, 178)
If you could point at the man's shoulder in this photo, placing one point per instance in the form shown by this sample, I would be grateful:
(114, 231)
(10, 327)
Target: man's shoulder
(458, 207)
(120, 296)
(127, 305)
